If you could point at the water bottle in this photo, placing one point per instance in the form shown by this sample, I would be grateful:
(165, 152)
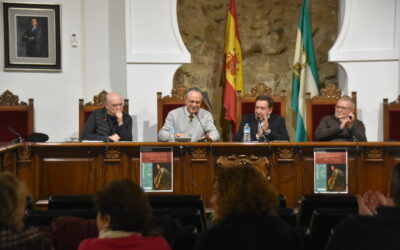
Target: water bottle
(171, 137)
(246, 133)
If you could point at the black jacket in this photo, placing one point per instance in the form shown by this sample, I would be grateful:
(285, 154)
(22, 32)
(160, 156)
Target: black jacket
(276, 124)
(250, 232)
(329, 130)
(100, 126)
(359, 232)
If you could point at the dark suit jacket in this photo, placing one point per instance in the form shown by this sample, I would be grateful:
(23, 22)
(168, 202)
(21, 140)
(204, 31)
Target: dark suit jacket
(329, 130)
(100, 125)
(250, 232)
(32, 46)
(276, 124)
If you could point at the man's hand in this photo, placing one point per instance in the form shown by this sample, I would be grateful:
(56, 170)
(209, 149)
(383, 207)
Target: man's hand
(352, 117)
(264, 127)
(179, 135)
(348, 121)
(114, 137)
(207, 137)
(370, 201)
(119, 118)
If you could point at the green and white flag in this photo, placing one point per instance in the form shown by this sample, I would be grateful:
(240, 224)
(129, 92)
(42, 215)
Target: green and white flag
(305, 74)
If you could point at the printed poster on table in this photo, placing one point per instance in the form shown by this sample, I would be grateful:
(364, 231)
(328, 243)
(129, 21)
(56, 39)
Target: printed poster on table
(330, 170)
(156, 170)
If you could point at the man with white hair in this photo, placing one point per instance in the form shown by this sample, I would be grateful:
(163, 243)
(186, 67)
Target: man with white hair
(109, 123)
(190, 121)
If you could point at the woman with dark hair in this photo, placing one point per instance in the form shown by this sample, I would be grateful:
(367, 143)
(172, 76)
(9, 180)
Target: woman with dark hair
(13, 234)
(244, 206)
(122, 213)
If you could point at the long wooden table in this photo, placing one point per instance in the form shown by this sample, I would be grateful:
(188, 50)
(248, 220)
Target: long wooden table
(83, 168)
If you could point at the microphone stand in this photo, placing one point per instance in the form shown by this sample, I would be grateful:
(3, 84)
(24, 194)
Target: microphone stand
(205, 139)
(20, 139)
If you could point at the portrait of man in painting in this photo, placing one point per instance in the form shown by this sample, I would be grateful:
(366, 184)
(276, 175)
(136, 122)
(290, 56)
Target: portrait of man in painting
(32, 36)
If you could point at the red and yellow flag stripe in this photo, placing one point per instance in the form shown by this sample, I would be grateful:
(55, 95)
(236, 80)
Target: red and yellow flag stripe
(233, 64)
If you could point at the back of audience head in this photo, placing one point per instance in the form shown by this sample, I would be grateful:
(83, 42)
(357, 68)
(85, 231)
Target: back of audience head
(123, 206)
(242, 190)
(12, 201)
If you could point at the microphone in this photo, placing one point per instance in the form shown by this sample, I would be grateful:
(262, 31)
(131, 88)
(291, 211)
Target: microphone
(205, 139)
(20, 139)
(38, 137)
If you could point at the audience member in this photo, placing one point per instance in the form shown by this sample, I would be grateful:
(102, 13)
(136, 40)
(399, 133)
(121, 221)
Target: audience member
(190, 121)
(109, 123)
(378, 226)
(244, 206)
(343, 125)
(13, 234)
(264, 125)
(122, 213)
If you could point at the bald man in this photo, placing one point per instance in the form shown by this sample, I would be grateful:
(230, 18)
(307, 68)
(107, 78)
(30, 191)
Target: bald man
(109, 123)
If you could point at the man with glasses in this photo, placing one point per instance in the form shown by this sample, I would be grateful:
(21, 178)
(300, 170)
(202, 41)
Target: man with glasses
(109, 123)
(343, 126)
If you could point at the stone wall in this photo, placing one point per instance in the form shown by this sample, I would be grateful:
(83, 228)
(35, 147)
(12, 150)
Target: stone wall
(268, 30)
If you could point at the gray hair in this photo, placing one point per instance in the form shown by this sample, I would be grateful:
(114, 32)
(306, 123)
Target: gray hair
(195, 89)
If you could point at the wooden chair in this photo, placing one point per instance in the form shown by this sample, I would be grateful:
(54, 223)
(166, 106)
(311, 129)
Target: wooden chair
(322, 105)
(245, 103)
(391, 120)
(168, 103)
(98, 102)
(15, 115)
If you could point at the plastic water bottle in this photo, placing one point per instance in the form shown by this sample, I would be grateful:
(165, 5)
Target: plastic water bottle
(246, 133)
(171, 135)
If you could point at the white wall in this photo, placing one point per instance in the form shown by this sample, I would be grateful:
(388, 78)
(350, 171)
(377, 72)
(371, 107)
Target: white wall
(154, 51)
(104, 47)
(97, 63)
(55, 94)
(367, 48)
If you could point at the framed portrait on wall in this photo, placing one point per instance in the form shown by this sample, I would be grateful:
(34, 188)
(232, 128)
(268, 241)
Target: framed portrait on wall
(32, 37)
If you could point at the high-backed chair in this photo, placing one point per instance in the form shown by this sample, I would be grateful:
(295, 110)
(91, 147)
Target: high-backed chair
(70, 202)
(245, 103)
(168, 103)
(311, 202)
(98, 102)
(391, 120)
(15, 115)
(322, 105)
(323, 220)
(184, 202)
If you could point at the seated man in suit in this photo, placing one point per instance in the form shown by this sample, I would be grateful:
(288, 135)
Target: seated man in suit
(190, 121)
(109, 123)
(264, 125)
(343, 126)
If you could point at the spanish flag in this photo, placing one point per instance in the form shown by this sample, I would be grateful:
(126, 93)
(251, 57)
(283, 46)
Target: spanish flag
(233, 64)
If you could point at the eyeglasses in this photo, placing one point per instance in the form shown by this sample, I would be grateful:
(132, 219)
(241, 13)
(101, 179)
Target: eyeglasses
(117, 105)
(341, 107)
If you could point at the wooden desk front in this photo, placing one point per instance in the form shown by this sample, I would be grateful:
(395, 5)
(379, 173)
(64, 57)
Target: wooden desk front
(84, 168)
